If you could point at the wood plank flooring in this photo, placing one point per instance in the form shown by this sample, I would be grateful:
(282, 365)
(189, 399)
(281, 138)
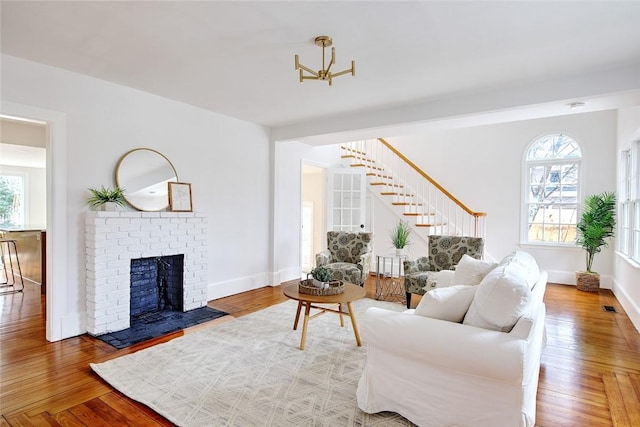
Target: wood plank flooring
(590, 372)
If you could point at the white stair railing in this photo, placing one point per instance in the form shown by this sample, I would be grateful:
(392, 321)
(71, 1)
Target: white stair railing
(415, 193)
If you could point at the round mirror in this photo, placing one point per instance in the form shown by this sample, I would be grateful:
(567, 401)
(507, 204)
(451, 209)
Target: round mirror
(143, 174)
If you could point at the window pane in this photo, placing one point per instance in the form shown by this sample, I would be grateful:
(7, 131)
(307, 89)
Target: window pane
(552, 191)
(11, 200)
(570, 174)
(554, 147)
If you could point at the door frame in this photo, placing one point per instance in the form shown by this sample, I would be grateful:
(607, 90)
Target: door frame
(323, 207)
(56, 259)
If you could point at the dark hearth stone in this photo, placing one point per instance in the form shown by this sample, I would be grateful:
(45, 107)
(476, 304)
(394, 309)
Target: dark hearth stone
(155, 324)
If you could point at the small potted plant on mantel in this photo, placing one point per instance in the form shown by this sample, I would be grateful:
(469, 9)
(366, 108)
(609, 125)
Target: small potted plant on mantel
(596, 225)
(106, 198)
(400, 237)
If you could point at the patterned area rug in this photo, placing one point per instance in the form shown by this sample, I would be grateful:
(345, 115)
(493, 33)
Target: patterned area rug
(249, 371)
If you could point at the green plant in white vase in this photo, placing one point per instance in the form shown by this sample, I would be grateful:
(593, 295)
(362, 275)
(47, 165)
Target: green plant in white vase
(102, 197)
(401, 237)
(322, 275)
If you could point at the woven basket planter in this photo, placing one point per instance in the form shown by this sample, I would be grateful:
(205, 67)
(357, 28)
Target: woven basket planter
(308, 287)
(589, 282)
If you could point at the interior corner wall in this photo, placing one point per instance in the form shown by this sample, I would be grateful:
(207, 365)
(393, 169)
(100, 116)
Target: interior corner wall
(288, 201)
(482, 167)
(627, 273)
(226, 160)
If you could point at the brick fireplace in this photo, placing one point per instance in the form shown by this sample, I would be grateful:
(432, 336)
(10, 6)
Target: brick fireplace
(114, 239)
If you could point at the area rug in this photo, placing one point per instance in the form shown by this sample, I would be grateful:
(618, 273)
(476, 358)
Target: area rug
(249, 371)
(157, 324)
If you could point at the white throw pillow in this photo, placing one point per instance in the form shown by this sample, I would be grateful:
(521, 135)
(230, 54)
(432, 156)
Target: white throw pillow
(500, 299)
(471, 271)
(449, 303)
(527, 262)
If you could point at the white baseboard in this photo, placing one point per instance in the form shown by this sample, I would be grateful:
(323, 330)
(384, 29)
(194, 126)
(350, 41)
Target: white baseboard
(236, 286)
(248, 283)
(569, 278)
(284, 275)
(72, 325)
(631, 308)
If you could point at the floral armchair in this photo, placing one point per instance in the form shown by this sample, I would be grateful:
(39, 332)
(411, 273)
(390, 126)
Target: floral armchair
(348, 256)
(444, 253)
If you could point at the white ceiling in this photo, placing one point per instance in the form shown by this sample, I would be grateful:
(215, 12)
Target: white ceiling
(236, 58)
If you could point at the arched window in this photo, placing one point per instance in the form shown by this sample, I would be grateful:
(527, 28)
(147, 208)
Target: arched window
(552, 190)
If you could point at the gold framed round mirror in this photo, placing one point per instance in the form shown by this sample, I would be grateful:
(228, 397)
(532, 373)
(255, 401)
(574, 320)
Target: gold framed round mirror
(143, 174)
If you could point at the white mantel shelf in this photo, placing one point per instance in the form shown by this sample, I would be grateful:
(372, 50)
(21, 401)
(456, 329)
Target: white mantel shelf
(113, 239)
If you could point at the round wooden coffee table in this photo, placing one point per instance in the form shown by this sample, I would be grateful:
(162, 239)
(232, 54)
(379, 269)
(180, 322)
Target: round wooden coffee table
(351, 293)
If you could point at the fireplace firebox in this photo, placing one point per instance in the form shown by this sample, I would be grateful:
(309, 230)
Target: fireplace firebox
(156, 284)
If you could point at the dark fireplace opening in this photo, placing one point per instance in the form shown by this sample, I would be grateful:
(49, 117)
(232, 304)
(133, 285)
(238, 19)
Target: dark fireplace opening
(156, 285)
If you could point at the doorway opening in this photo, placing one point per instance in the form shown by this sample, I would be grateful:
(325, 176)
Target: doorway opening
(25, 183)
(314, 210)
(23, 195)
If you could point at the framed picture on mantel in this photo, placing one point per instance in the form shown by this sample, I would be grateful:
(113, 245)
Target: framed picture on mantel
(180, 197)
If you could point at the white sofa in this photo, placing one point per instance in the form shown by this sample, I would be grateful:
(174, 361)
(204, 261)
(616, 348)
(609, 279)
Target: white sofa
(442, 373)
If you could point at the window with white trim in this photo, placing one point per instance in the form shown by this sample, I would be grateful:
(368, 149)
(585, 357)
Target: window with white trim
(12, 196)
(552, 190)
(629, 201)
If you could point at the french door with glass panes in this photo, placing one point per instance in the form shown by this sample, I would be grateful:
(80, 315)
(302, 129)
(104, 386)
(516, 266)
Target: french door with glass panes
(346, 200)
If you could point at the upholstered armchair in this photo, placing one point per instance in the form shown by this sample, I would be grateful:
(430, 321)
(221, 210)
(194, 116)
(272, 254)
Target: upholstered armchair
(348, 256)
(444, 253)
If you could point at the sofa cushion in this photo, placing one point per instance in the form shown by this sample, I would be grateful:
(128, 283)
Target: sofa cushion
(471, 271)
(527, 262)
(450, 303)
(500, 299)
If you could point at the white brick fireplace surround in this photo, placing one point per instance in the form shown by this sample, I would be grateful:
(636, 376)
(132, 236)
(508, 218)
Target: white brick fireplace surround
(113, 239)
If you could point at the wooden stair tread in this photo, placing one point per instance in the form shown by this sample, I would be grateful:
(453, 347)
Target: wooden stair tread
(405, 204)
(362, 165)
(430, 225)
(352, 150)
(386, 183)
(395, 193)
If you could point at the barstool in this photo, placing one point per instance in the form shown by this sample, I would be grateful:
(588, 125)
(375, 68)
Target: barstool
(9, 254)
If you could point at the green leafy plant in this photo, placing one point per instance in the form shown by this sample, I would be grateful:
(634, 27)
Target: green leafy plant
(321, 274)
(596, 224)
(105, 195)
(400, 235)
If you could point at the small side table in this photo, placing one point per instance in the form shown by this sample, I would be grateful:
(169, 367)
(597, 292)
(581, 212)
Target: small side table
(390, 277)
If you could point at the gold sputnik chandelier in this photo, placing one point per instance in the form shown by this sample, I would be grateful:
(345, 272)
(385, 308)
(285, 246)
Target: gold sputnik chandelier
(325, 73)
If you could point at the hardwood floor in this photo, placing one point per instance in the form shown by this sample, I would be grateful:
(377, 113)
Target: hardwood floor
(590, 373)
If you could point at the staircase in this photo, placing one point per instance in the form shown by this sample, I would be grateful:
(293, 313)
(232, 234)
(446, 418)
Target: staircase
(413, 194)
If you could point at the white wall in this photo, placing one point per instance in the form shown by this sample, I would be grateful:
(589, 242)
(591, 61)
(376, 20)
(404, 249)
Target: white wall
(288, 202)
(626, 272)
(226, 160)
(482, 167)
(36, 202)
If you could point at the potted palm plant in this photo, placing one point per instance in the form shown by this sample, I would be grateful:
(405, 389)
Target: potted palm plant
(400, 237)
(596, 225)
(106, 198)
